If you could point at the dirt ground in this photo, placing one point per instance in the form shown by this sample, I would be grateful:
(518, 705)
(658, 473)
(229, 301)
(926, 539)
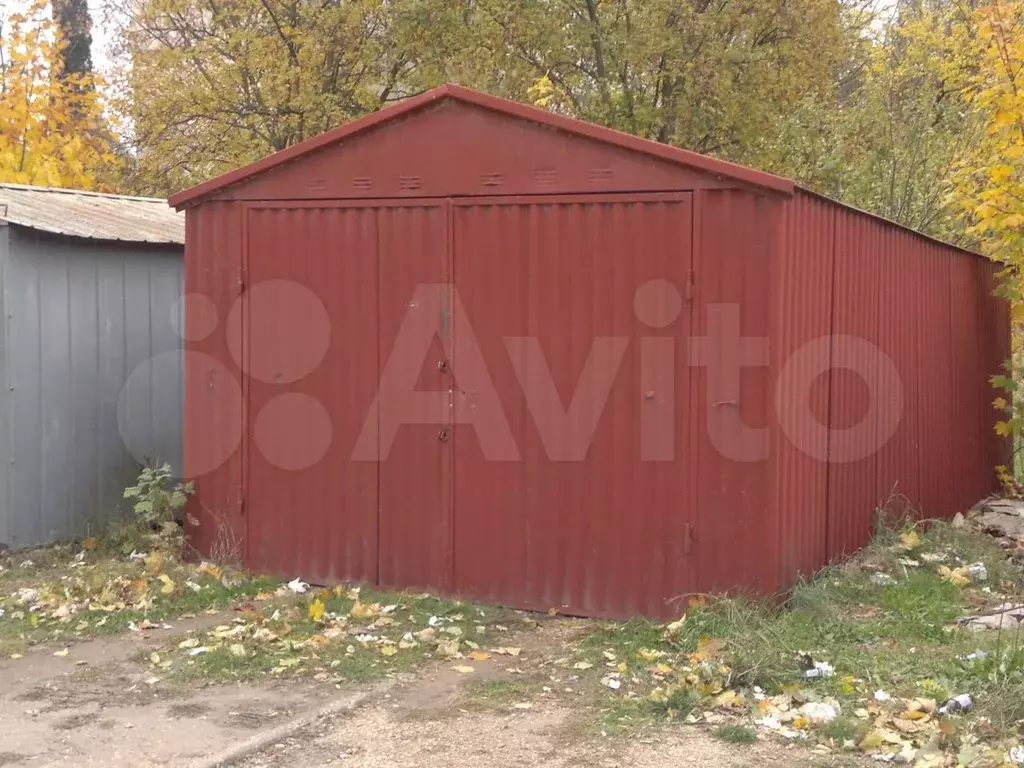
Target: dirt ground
(100, 706)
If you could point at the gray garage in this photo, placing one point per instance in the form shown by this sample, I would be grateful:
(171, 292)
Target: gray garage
(90, 355)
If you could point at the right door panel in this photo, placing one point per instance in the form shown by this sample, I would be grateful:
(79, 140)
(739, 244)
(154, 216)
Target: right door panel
(578, 311)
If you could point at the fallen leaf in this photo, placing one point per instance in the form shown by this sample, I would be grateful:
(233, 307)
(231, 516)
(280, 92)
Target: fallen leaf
(154, 657)
(582, 665)
(503, 651)
(237, 649)
(464, 670)
(361, 610)
(62, 652)
(388, 650)
(910, 540)
(957, 576)
(316, 610)
(168, 584)
(89, 543)
(155, 563)
(479, 656)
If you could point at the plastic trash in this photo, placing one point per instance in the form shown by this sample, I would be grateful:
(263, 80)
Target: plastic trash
(820, 669)
(977, 572)
(974, 656)
(962, 703)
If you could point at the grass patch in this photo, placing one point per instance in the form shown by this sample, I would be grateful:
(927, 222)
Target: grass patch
(735, 734)
(896, 632)
(502, 693)
(342, 635)
(66, 593)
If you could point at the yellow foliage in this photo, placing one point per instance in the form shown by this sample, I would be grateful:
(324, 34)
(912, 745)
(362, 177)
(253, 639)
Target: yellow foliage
(52, 127)
(316, 610)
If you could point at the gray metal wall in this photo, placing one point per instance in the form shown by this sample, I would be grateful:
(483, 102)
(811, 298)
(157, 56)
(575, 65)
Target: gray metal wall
(93, 379)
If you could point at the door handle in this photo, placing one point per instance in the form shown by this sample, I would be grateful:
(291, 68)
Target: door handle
(443, 435)
(442, 366)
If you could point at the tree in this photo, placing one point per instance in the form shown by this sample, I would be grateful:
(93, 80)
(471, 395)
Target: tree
(220, 83)
(75, 27)
(52, 130)
(904, 128)
(989, 179)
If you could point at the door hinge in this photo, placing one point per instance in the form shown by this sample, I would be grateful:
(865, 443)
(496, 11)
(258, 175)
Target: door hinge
(689, 288)
(241, 283)
(241, 502)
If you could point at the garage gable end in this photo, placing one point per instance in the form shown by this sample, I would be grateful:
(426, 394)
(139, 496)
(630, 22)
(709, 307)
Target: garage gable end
(454, 142)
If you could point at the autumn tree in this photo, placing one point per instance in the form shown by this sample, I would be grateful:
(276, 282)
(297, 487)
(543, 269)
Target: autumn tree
(904, 127)
(220, 83)
(52, 128)
(75, 27)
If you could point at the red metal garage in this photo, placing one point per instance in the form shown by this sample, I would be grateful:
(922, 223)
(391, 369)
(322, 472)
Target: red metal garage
(468, 345)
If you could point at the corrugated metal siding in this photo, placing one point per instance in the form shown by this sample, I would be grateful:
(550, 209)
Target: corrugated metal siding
(737, 527)
(928, 309)
(6, 440)
(801, 290)
(213, 395)
(553, 529)
(311, 346)
(95, 367)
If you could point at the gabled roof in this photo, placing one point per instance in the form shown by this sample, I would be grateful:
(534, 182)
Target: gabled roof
(664, 152)
(92, 215)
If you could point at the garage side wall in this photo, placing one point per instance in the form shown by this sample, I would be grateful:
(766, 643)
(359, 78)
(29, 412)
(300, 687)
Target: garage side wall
(94, 378)
(802, 286)
(916, 335)
(5, 431)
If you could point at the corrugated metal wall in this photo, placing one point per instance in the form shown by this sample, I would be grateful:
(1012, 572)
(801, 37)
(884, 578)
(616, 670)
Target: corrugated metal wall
(730, 422)
(214, 410)
(802, 285)
(93, 370)
(606, 530)
(6, 442)
(918, 390)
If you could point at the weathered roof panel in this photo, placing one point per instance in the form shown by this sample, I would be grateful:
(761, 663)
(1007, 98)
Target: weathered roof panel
(92, 215)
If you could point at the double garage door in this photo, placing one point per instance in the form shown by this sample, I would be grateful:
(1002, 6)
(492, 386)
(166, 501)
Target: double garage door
(484, 397)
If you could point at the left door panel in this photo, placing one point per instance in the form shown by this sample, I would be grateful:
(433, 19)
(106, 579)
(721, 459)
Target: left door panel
(310, 325)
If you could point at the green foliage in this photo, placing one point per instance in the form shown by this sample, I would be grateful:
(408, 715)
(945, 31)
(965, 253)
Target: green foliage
(735, 734)
(155, 497)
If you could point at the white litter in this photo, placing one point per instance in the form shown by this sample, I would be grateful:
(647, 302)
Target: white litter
(820, 669)
(978, 572)
(819, 712)
(298, 586)
(881, 695)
